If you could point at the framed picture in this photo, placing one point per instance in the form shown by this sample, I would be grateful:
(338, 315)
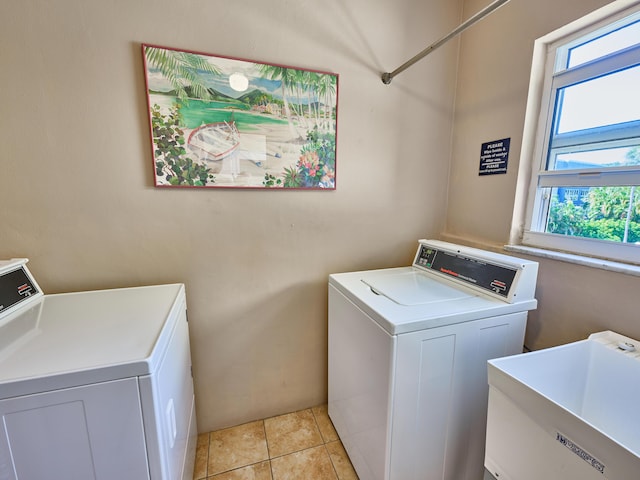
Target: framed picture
(220, 122)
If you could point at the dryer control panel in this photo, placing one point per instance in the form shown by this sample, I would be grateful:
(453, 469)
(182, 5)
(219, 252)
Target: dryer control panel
(17, 286)
(490, 272)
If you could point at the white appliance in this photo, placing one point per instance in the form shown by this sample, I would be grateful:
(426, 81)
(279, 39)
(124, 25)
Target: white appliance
(567, 412)
(408, 351)
(94, 385)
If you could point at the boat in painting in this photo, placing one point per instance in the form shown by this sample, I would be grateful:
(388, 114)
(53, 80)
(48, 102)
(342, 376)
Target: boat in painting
(215, 141)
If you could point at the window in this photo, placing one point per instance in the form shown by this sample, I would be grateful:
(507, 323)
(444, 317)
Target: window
(584, 195)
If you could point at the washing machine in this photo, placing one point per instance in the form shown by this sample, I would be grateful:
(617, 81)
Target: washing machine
(94, 385)
(408, 351)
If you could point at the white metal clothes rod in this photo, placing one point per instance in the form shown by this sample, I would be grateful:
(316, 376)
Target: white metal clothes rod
(388, 76)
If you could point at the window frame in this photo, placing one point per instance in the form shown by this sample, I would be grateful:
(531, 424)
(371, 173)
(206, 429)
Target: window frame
(538, 143)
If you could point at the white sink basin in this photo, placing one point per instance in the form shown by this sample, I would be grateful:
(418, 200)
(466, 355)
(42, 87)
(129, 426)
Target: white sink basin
(569, 412)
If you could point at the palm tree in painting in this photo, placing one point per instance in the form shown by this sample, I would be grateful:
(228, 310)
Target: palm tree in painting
(313, 80)
(287, 80)
(301, 78)
(326, 90)
(182, 70)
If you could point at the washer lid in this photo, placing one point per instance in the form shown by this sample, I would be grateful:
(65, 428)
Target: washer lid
(429, 301)
(413, 288)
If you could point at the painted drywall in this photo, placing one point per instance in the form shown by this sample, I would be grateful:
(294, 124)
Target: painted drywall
(77, 194)
(493, 80)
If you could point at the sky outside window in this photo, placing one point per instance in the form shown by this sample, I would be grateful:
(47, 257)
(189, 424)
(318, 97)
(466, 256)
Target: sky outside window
(608, 100)
(601, 46)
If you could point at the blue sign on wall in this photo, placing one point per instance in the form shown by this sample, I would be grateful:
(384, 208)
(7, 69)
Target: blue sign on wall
(494, 156)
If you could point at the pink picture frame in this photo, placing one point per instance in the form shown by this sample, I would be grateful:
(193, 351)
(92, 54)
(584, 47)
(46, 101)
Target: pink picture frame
(221, 122)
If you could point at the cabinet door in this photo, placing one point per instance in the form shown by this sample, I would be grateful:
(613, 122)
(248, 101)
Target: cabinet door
(440, 401)
(92, 432)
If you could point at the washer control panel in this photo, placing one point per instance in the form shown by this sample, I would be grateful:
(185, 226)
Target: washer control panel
(468, 269)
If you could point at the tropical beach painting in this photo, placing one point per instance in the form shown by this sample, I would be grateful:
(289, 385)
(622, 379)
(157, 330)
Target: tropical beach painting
(231, 123)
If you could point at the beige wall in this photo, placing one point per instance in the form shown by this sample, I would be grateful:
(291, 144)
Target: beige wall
(493, 78)
(76, 186)
(77, 193)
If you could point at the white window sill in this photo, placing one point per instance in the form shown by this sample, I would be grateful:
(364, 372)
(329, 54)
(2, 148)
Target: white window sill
(577, 259)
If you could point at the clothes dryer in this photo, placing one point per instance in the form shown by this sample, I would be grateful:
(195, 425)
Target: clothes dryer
(408, 351)
(94, 385)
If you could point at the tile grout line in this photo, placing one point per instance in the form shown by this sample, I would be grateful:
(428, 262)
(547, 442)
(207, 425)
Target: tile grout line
(266, 440)
(335, 470)
(240, 468)
(206, 465)
(206, 470)
(324, 444)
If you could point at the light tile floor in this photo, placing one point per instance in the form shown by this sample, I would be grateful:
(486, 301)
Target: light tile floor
(296, 446)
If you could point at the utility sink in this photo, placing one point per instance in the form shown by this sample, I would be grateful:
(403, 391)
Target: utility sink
(568, 412)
